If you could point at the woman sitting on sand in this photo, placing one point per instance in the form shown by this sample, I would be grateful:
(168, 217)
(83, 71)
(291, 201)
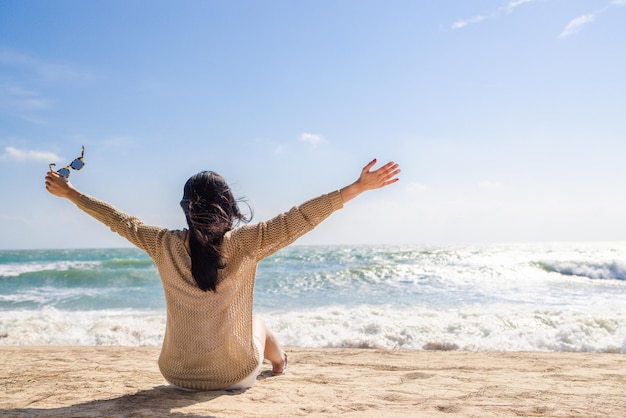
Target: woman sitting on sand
(212, 340)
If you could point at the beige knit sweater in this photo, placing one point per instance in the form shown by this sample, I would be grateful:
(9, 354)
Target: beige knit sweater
(208, 341)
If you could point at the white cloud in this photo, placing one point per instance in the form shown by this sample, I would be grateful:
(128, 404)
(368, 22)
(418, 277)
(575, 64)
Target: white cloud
(312, 139)
(576, 25)
(14, 154)
(461, 23)
(512, 5)
(572, 27)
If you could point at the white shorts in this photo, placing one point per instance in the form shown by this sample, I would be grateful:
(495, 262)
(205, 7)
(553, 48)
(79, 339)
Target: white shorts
(248, 381)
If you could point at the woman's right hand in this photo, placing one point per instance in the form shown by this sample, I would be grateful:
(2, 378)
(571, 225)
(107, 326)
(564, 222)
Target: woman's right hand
(60, 186)
(371, 180)
(384, 176)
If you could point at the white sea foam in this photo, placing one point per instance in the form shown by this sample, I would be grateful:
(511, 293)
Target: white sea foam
(50, 326)
(17, 269)
(503, 328)
(46, 295)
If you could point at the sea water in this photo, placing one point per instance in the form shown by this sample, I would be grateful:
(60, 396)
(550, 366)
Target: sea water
(531, 297)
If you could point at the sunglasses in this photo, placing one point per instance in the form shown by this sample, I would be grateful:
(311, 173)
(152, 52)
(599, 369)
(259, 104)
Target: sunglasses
(77, 164)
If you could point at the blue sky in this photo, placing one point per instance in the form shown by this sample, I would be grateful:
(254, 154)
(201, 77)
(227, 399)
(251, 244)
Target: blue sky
(507, 117)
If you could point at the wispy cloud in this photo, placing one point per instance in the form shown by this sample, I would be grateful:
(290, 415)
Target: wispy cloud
(20, 69)
(20, 155)
(507, 9)
(461, 23)
(574, 26)
(312, 139)
(16, 97)
(48, 69)
(513, 4)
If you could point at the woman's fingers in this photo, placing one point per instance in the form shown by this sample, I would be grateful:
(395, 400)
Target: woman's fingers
(388, 173)
(369, 166)
(380, 177)
(56, 183)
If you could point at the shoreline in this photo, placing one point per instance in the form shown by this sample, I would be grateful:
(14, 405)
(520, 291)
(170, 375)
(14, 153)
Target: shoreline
(89, 381)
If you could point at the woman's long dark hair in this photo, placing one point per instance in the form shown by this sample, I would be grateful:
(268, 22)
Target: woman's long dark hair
(211, 210)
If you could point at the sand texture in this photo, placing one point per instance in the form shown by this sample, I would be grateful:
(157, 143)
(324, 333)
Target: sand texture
(125, 381)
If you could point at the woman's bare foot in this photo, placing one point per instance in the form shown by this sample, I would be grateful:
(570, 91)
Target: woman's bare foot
(278, 369)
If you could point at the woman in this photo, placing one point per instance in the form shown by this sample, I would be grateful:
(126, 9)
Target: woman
(212, 340)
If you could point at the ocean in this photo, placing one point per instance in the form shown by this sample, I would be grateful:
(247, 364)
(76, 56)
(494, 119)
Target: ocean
(526, 297)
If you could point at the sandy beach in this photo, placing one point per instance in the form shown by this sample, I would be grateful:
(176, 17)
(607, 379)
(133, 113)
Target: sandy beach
(81, 381)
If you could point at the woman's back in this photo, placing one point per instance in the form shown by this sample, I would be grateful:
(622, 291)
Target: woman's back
(208, 342)
(208, 338)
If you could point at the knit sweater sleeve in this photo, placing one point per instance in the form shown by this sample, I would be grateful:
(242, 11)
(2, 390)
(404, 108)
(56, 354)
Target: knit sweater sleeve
(143, 236)
(280, 231)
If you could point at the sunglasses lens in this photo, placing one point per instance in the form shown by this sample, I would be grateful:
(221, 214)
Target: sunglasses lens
(77, 164)
(64, 172)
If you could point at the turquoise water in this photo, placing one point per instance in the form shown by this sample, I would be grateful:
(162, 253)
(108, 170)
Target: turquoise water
(563, 297)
